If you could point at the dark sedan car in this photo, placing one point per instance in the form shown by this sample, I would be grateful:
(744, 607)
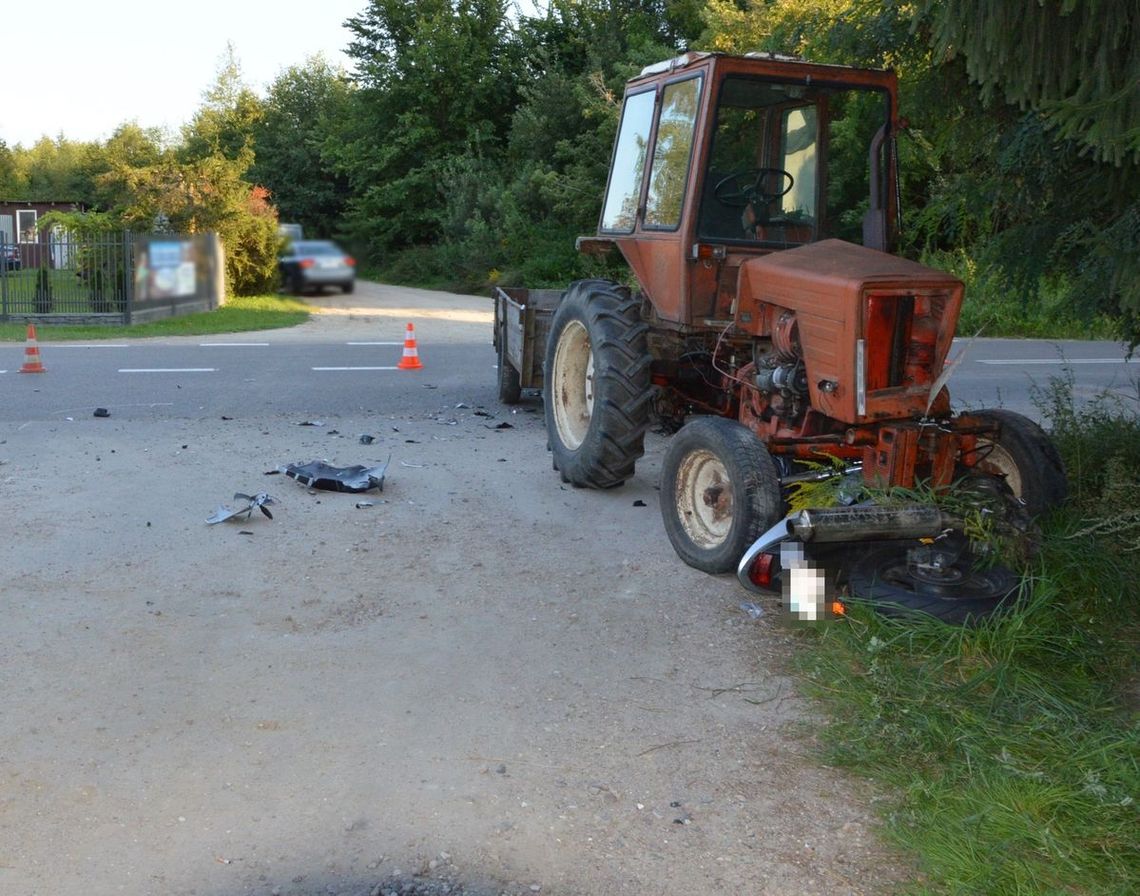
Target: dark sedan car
(308, 265)
(10, 257)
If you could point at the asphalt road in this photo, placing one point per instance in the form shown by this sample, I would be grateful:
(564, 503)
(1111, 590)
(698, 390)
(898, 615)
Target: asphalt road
(324, 368)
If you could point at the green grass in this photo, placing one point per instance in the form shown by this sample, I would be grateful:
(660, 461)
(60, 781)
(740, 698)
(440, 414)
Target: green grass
(236, 316)
(992, 309)
(1010, 751)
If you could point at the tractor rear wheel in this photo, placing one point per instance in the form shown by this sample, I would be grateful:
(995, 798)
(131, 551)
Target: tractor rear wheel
(1024, 458)
(719, 492)
(596, 387)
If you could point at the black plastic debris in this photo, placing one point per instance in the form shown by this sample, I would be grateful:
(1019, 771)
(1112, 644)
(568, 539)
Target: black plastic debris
(366, 439)
(639, 503)
(323, 475)
(102, 412)
(224, 513)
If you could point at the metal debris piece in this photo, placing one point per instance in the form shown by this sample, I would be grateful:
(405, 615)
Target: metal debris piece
(320, 474)
(224, 513)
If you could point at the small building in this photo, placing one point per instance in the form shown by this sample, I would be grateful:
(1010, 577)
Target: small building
(18, 220)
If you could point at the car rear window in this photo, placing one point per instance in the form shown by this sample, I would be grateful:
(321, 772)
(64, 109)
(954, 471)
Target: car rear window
(308, 248)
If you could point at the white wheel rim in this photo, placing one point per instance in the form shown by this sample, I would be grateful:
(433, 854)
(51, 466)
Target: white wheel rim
(704, 499)
(999, 462)
(572, 391)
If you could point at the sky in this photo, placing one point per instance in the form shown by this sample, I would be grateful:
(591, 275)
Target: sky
(81, 68)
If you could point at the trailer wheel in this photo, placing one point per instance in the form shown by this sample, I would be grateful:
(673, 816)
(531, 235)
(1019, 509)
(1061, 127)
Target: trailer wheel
(596, 388)
(719, 492)
(510, 389)
(900, 580)
(1024, 458)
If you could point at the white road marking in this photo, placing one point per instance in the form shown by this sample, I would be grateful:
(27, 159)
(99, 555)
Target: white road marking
(167, 369)
(1061, 362)
(354, 368)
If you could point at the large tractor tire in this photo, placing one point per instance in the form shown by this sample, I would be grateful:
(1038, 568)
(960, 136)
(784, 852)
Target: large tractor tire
(896, 581)
(719, 492)
(1024, 459)
(596, 387)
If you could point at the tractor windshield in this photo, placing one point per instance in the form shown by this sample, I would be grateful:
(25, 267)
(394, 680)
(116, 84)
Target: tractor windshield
(789, 163)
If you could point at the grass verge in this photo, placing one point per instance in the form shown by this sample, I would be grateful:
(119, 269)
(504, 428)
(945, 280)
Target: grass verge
(1011, 750)
(238, 315)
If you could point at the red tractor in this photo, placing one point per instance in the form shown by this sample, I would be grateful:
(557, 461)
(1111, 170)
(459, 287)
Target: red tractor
(755, 200)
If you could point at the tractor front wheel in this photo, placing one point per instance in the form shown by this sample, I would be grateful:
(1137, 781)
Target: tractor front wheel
(1021, 456)
(719, 492)
(596, 388)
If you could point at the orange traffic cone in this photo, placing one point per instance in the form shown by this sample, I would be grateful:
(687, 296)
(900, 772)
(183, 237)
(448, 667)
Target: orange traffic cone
(32, 362)
(411, 359)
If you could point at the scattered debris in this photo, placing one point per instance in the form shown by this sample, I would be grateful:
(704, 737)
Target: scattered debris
(482, 414)
(320, 474)
(404, 463)
(224, 513)
(334, 432)
(311, 423)
(503, 425)
(639, 503)
(754, 610)
(366, 439)
(102, 412)
(360, 505)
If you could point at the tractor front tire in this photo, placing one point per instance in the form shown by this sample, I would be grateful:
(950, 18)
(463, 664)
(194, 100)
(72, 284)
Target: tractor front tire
(719, 492)
(1023, 457)
(596, 387)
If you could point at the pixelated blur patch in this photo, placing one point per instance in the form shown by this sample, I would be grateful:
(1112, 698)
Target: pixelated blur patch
(808, 587)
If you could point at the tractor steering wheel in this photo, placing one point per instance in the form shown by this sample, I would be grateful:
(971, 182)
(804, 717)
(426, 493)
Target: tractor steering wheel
(743, 188)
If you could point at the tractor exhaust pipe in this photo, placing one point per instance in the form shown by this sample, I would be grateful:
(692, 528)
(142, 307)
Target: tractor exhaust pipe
(861, 522)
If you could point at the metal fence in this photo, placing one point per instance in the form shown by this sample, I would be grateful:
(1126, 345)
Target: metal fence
(109, 278)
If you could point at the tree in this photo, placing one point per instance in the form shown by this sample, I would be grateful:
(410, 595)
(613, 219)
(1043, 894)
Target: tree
(223, 125)
(1073, 62)
(304, 113)
(438, 79)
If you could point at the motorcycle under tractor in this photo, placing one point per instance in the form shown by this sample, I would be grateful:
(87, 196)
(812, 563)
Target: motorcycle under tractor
(755, 200)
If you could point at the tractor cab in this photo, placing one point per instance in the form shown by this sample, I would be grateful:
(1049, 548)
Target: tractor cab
(722, 158)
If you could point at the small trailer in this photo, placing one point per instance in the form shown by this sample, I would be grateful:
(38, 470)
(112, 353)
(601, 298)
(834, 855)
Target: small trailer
(522, 325)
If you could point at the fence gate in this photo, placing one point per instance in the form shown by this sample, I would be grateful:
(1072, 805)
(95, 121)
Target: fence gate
(71, 278)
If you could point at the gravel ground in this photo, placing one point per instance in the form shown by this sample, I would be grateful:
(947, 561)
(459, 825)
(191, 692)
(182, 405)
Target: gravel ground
(484, 683)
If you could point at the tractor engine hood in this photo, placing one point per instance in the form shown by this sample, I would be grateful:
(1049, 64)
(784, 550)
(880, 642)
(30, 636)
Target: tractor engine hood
(873, 329)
